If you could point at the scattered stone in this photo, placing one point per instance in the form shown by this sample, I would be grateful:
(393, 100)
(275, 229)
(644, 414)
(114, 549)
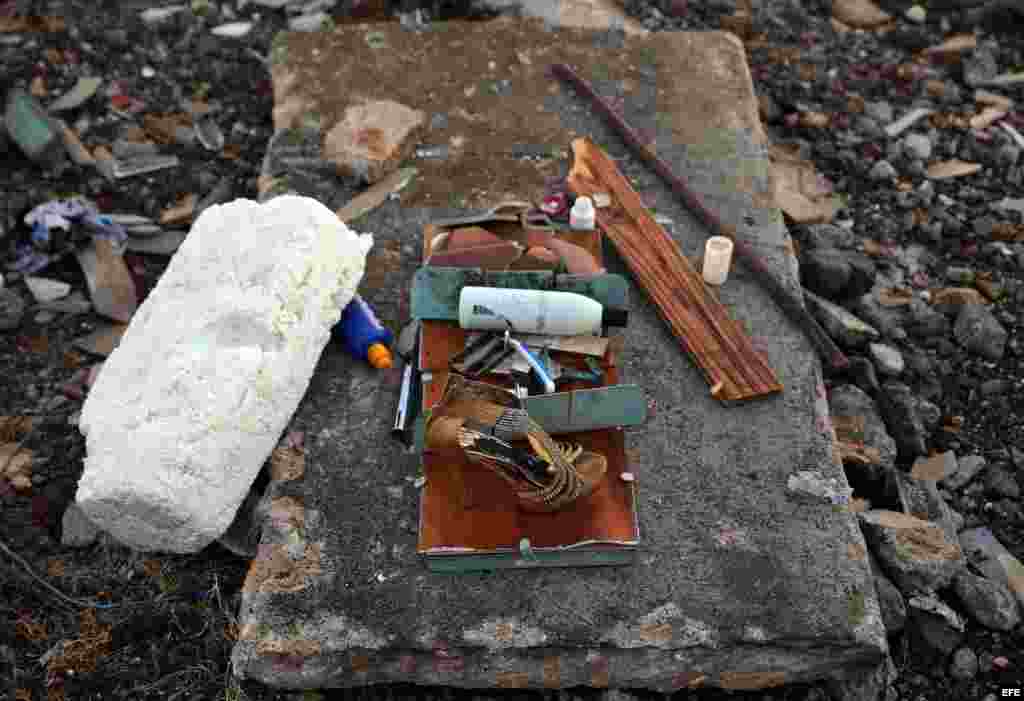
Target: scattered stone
(156, 15)
(849, 404)
(233, 30)
(935, 625)
(931, 415)
(830, 236)
(994, 388)
(826, 272)
(920, 498)
(888, 360)
(990, 557)
(964, 664)
(988, 602)
(999, 481)
(888, 320)
(862, 372)
(956, 44)
(936, 468)
(925, 322)
(77, 531)
(46, 290)
(906, 121)
(85, 88)
(916, 13)
(840, 324)
(917, 146)
(243, 371)
(980, 67)
(979, 332)
(898, 408)
(916, 554)
(308, 23)
(880, 111)
(967, 467)
(882, 170)
(890, 601)
(12, 309)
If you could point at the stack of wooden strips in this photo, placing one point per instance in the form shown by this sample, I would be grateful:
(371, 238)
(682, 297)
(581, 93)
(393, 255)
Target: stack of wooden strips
(719, 346)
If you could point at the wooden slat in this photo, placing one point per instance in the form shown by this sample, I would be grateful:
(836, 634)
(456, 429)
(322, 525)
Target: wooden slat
(733, 368)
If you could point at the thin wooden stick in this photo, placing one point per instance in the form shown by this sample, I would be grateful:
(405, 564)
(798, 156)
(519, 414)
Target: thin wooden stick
(789, 303)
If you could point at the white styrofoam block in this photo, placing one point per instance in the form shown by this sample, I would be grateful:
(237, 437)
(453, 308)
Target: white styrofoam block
(214, 363)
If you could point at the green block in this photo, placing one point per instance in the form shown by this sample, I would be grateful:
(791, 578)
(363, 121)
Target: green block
(588, 409)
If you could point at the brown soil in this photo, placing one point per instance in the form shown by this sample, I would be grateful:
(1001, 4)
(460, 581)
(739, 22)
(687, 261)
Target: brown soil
(495, 110)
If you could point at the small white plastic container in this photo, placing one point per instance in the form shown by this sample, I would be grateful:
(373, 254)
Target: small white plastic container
(717, 258)
(581, 216)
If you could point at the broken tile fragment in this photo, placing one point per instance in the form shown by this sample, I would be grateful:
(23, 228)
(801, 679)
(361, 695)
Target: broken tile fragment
(103, 340)
(372, 138)
(110, 283)
(860, 14)
(951, 169)
(46, 290)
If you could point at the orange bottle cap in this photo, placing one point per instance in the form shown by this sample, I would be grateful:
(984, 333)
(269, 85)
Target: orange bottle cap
(379, 356)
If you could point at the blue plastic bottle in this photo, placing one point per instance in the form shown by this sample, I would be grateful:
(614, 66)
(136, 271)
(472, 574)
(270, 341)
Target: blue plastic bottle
(363, 335)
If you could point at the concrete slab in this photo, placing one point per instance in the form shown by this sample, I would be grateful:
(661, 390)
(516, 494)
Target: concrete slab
(739, 583)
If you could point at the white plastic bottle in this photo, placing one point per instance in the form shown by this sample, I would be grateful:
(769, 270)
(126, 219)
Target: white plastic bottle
(535, 311)
(581, 216)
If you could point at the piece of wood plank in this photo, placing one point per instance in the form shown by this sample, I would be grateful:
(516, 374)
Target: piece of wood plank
(733, 368)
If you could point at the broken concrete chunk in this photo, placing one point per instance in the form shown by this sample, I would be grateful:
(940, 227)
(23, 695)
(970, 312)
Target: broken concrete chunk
(898, 407)
(980, 332)
(77, 531)
(844, 327)
(921, 499)
(851, 407)
(967, 468)
(935, 625)
(990, 557)
(46, 290)
(917, 555)
(988, 602)
(372, 138)
(211, 368)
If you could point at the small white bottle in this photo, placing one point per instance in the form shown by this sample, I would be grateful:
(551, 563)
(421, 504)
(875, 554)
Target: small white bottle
(717, 256)
(581, 216)
(535, 311)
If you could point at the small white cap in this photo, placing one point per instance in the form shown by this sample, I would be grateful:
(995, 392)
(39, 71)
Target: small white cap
(583, 207)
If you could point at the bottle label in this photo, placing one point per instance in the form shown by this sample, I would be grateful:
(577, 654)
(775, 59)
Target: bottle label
(482, 310)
